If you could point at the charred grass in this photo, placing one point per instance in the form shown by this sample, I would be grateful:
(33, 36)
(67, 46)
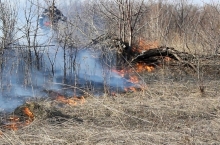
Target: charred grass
(170, 111)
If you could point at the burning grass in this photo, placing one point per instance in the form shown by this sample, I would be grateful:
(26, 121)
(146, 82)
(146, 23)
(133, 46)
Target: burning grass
(132, 75)
(25, 115)
(15, 122)
(73, 101)
(131, 72)
(169, 112)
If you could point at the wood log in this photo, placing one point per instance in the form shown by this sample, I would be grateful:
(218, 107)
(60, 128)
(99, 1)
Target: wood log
(163, 51)
(182, 57)
(124, 55)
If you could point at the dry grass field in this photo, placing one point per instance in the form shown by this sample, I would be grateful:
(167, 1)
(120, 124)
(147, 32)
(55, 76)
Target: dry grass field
(177, 103)
(170, 111)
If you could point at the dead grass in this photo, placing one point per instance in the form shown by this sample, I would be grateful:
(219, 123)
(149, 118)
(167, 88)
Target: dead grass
(168, 112)
(143, 45)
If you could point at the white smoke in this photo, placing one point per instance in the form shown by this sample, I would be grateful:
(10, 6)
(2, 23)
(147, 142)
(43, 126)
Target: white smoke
(21, 79)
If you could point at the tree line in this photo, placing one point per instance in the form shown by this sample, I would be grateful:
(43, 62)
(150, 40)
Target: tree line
(180, 24)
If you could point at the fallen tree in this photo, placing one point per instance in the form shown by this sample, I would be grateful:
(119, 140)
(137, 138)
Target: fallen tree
(115, 50)
(161, 52)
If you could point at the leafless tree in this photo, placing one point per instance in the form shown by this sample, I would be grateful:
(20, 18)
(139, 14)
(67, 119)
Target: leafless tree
(8, 19)
(125, 17)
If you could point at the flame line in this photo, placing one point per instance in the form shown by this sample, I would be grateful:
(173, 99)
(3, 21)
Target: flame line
(110, 108)
(136, 73)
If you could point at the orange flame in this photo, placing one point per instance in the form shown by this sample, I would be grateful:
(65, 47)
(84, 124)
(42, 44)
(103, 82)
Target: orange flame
(81, 99)
(12, 126)
(120, 72)
(13, 118)
(138, 67)
(28, 113)
(12, 123)
(134, 79)
(149, 68)
(65, 100)
(141, 67)
(73, 101)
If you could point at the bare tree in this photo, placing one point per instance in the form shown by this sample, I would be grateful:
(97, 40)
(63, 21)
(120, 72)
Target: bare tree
(125, 17)
(8, 19)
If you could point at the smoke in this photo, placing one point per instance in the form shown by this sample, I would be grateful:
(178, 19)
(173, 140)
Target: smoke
(22, 78)
(91, 69)
(25, 72)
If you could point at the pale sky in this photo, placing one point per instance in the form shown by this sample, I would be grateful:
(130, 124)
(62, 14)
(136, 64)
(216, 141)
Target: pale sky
(205, 1)
(62, 1)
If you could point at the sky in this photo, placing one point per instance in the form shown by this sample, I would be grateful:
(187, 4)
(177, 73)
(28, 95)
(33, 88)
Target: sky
(61, 1)
(200, 2)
